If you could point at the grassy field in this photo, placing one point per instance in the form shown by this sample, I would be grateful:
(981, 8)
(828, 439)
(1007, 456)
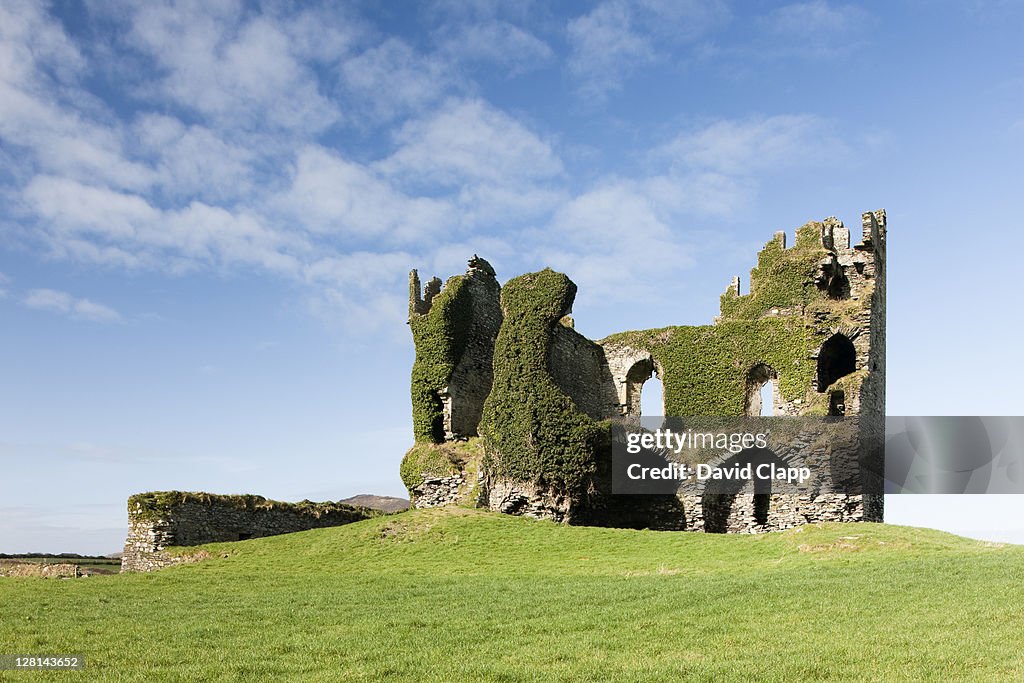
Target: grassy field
(452, 595)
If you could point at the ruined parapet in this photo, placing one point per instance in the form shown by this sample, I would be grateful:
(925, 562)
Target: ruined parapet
(453, 328)
(161, 521)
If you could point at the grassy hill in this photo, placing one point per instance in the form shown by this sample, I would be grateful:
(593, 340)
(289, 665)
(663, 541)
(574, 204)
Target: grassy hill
(442, 595)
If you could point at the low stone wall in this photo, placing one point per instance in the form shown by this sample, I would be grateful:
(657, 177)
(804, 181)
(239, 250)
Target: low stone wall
(40, 569)
(159, 520)
(438, 491)
(739, 513)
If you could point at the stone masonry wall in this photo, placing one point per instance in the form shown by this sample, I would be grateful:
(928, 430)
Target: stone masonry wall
(157, 521)
(64, 570)
(470, 382)
(785, 511)
(579, 369)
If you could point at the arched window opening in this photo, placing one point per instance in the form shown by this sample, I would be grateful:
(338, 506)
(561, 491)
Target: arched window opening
(652, 397)
(636, 379)
(760, 399)
(836, 359)
(768, 398)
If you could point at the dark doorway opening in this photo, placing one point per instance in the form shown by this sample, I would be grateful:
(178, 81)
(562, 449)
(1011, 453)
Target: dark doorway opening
(836, 359)
(837, 403)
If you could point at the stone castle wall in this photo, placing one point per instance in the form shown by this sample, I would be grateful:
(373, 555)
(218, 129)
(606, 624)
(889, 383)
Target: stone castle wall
(581, 371)
(157, 521)
(812, 324)
(470, 381)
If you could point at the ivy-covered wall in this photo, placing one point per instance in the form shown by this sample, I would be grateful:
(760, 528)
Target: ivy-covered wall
(440, 335)
(157, 505)
(532, 430)
(783, 278)
(781, 322)
(454, 329)
(704, 369)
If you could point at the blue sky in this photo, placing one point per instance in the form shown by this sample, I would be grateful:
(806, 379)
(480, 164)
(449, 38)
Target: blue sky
(209, 211)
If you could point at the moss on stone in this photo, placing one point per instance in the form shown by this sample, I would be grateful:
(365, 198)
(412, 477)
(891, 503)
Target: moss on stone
(782, 279)
(818, 402)
(156, 505)
(532, 430)
(440, 336)
(781, 322)
(704, 369)
(440, 460)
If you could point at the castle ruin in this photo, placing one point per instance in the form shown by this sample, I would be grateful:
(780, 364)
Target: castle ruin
(512, 406)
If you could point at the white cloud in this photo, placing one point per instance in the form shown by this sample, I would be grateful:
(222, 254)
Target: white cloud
(74, 207)
(248, 179)
(194, 161)
(740, 147)
(358, 269)
(496, 42)
(39, 67)
(484, 9)
(89, 310)
(29, 38)
(57, 301)
(816, 28)
(815, 18)
(490, 169)
(701, 193)
(392, 79)
(468, 141)
(125, 229)
(62, 141)
(618, 36)
(608, 237)
(361, 313)
(605, 47)
(235, 68)
(678, 21)
(331, 195)
(482, 206)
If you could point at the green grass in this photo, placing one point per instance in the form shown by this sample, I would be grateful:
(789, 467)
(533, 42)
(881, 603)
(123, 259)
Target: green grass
(443, 595)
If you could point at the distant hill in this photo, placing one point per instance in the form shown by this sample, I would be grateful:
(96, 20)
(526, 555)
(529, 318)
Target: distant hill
(385, 503)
